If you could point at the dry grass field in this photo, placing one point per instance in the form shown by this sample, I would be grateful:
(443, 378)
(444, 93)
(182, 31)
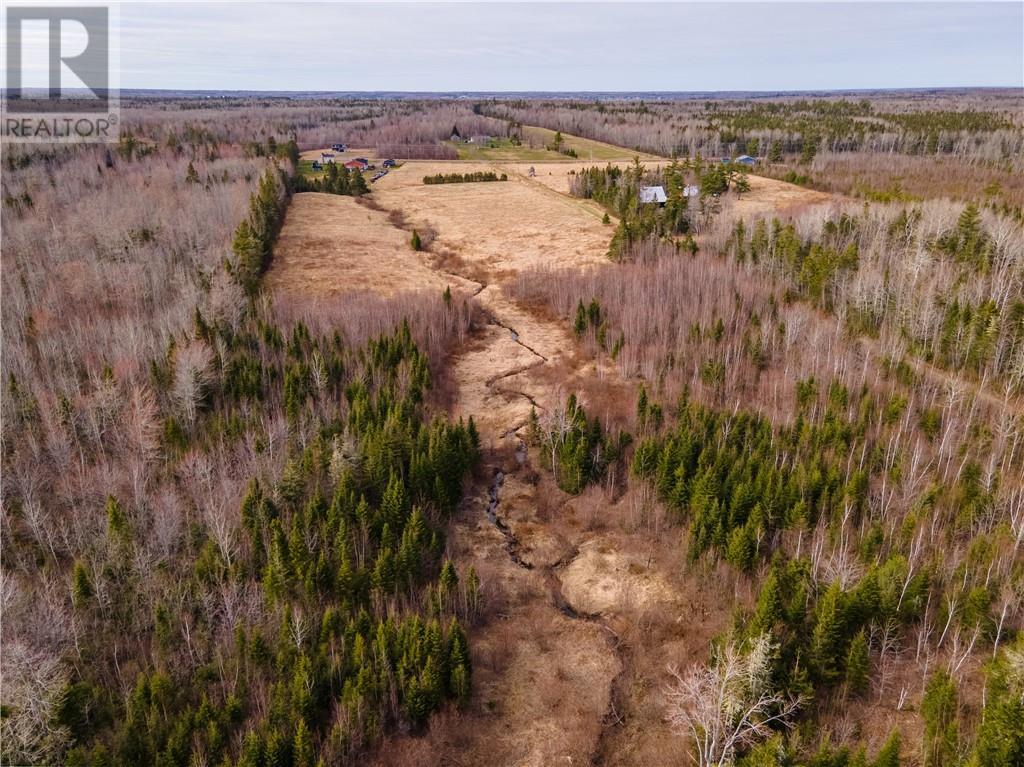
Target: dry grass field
(501, 227)
(332, 244)
(535, 148)
(767, 195)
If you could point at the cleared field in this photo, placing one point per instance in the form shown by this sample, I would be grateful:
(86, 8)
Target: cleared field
(411, 173)
(331, 244)
(501, 227)
(505, 151)
(587, 149)
(534, 149)
(556, 176)
(768, 195)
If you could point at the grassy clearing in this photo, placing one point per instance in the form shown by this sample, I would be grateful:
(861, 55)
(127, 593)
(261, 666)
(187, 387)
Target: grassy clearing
(586, 149)
(503, 150)
(534, 149)
(331, 244)
(306, 169)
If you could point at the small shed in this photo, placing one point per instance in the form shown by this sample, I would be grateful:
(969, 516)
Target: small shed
(356, 164)
(656, 194)
(326, 157)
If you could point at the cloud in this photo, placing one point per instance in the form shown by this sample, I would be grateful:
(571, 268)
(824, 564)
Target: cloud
(569, 46)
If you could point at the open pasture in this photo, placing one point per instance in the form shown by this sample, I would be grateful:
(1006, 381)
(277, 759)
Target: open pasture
(332, 244)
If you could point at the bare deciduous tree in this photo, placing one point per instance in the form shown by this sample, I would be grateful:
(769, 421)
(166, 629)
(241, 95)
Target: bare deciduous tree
(191, 376)
(33, 683)
(730, 704)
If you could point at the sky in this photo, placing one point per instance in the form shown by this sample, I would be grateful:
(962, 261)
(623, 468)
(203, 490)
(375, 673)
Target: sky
(570, 46)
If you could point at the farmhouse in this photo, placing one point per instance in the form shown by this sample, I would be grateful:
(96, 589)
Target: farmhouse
(653, 194)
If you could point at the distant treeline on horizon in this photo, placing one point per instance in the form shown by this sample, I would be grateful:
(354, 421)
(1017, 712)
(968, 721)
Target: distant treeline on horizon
(601, 95)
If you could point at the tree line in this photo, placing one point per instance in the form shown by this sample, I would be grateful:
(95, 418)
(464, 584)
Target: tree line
(464, 178)
(337, 179)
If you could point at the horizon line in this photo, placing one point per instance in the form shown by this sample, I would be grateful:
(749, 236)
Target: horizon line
(569, 91)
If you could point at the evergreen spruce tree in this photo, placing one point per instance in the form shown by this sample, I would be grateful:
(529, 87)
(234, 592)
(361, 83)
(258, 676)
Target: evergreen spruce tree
(580, 323)
(827, 635)
(302, 749)
(889, 756)
(449, 580)
(641, 407)
(357, 184)
(939, 711)
(768, 611)
(118, 530)
(857, 665)
(81, 586)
